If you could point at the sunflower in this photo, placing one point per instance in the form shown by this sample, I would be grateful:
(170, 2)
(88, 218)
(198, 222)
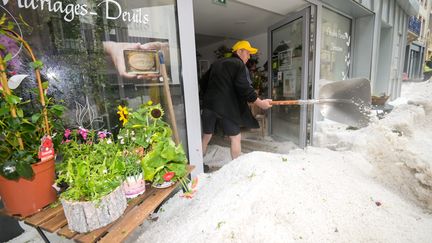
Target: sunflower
(123, 113)
(156, 112)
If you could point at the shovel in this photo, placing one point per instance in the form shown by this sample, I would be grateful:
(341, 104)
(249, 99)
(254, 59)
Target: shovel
(346, 101)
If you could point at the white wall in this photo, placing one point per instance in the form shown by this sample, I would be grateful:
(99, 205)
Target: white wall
(193, 122)
(382, 83)
(362, 47)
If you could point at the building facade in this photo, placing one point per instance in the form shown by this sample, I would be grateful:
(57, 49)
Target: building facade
(379, 41)
(352, 39)
(417, 42)
(82, 44)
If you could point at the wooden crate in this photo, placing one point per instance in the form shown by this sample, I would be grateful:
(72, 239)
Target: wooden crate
(53, 220)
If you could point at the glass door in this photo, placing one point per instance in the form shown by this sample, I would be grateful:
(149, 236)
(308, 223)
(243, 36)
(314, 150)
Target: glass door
(288, 74)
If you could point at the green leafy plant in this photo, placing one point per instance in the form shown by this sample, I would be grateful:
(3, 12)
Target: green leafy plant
(258, 75)
(23, 122)
(132, 164)
(164, 157)
(145, 133)
(93, 165)
(223, 51)
(258, 79)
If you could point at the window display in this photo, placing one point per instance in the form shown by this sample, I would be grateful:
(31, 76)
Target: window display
(99, 54)
(335, 46)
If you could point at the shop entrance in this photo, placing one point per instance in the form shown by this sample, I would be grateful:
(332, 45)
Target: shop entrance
(280, 32)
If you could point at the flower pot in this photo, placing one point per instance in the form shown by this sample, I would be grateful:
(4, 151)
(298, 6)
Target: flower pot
(379, 100)
(83, 217)
(134, 186)
(25, 197)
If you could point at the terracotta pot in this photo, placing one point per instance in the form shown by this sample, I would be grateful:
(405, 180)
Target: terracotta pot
(379, 100)
(25, 197)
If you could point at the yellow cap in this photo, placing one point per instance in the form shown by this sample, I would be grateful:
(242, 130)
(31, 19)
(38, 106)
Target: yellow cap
(243, 44)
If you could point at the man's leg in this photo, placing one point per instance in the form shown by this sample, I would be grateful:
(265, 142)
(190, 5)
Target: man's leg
(235, 146)
(208, 120)
(232, 130)
(205, 140)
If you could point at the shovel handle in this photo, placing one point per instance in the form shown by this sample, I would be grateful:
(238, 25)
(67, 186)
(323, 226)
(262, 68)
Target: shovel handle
(285, 102)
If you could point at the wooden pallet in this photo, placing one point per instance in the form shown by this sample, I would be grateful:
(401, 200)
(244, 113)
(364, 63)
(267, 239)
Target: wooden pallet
(53, 220)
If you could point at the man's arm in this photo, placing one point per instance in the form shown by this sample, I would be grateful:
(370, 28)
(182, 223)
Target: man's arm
(245, 89)
(263, 104)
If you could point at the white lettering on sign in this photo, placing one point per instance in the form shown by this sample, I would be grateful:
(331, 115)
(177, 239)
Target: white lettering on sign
(70, 11)
(336, 48)
(133, 17)
(336, 34)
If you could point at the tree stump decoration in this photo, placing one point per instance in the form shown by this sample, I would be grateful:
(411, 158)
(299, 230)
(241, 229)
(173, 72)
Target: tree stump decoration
(83, 217)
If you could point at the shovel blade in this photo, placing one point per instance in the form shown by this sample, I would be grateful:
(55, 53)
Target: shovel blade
(349, 101)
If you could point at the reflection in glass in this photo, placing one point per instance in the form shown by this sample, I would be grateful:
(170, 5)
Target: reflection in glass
(335, 46)
(84, 59)
(287, 61)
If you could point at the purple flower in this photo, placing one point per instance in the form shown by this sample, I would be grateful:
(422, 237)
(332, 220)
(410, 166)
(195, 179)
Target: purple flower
(11, 47)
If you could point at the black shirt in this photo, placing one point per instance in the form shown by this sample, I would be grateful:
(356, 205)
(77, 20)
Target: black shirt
(226, 90)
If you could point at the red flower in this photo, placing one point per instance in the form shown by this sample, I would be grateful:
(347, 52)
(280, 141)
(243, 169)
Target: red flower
(168, 176)
(47, 142)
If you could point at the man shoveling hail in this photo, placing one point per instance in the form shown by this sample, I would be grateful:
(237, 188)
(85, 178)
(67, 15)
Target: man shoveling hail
(226, 91)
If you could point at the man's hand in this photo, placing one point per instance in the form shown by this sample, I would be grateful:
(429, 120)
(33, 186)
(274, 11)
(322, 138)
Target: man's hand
(263, 104)
(115, 51)
(162, 46)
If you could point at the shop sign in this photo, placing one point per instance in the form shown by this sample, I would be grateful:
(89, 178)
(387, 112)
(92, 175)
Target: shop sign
(336, 34)
(113, 10)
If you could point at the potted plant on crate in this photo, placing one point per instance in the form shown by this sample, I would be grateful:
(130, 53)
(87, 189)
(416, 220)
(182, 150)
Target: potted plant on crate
(26, 149)
(380, 100)
(134, 184)
(93, 170)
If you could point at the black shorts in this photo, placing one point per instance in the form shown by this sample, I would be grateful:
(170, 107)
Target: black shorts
(209, 120)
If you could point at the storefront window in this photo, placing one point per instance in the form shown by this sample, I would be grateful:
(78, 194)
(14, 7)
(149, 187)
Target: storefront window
(93, 58)
(335, 46)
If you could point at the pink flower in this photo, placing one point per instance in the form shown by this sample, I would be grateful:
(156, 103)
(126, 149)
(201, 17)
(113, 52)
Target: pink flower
(102, 135)
(194, 183)
(67, 133)
(187, 195)
(83, 132)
